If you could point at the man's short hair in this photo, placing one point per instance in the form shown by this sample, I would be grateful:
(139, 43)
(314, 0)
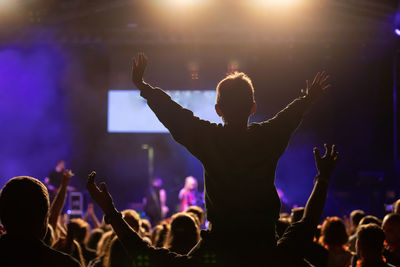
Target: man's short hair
(371, 237)
(333, 232)
(132, 218)
(24, 205)
(370, 219)
(397, 207)
(356, 216)
(235, 94)
(197, 211)
(79, 229)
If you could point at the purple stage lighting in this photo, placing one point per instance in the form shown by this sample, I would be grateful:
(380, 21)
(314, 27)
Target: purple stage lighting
(397, 31)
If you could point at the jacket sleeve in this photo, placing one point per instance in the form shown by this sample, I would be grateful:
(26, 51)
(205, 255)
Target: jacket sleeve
(285, 122)
(184, 127)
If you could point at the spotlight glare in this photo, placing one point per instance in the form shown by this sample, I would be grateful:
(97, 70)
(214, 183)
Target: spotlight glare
(276, 2)
(184, 2)
(397, 31)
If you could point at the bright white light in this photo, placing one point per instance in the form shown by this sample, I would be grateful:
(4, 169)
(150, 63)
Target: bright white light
(184, 2)
(397, 31)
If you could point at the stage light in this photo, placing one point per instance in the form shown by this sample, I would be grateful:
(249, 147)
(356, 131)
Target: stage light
(276, 2)
(397, 31)
(185, 2)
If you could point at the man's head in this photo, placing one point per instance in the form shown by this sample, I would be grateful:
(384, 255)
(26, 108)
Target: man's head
(132, 218)
(190, 183)
(333, 232)
(60, 165)
(24, 207)
(397, 207)
(370, 239)
(79, 229)
(156, 182)
(391, 227)
(356, 216)
(235, 98)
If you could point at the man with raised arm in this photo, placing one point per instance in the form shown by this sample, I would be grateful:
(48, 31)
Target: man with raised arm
(288, 251)
(239, 159)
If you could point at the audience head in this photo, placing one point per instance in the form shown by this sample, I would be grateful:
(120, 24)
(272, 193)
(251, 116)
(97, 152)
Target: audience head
(132, 218)
(370, 219)
(235, 98)
(117, 256)
(281, 225)
(333, 232)
(391, 227)
(297, 214)
(184, 233)
(356, 216)
(94, 238)
(21, 198)
(198, 212)
(104, 244)
(79, 229)
(146, 226)
(159, 234)
(369, 244)
(49, 238)
(397, 207)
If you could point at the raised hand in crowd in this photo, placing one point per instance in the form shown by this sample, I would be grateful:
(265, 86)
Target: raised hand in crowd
(100, 195)
(138, 67)
(59, 200)
(318, 86)
(91, 215)
(325, 166)
(327, 163)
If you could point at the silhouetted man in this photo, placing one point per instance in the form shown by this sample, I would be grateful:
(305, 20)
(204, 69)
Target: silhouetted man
(239, 159)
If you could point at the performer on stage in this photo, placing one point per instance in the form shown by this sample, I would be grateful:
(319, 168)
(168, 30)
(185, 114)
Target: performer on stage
(155, 202)
(189, 194)
(55, 176)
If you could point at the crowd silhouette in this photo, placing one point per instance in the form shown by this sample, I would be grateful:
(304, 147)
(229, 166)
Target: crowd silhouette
(245, 226)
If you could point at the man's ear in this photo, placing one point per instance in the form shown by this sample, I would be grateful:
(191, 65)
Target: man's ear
(218, 110)
(253, 108)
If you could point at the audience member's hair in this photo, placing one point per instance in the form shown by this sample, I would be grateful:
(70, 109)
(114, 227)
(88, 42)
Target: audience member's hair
(159, 234)
(79, 229)
(104, 244)
(198, 212)
(356, 216)
(333, 232)
(94, 238)
(281, 225)
(21, 198)
(117, 256)
(370, 219)
(397, 207)
(235, 95)
(146, 225)
(49, 238)
(370, 238)
(391, 227)
(132, 218)
(297, 214)
(184, 233)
